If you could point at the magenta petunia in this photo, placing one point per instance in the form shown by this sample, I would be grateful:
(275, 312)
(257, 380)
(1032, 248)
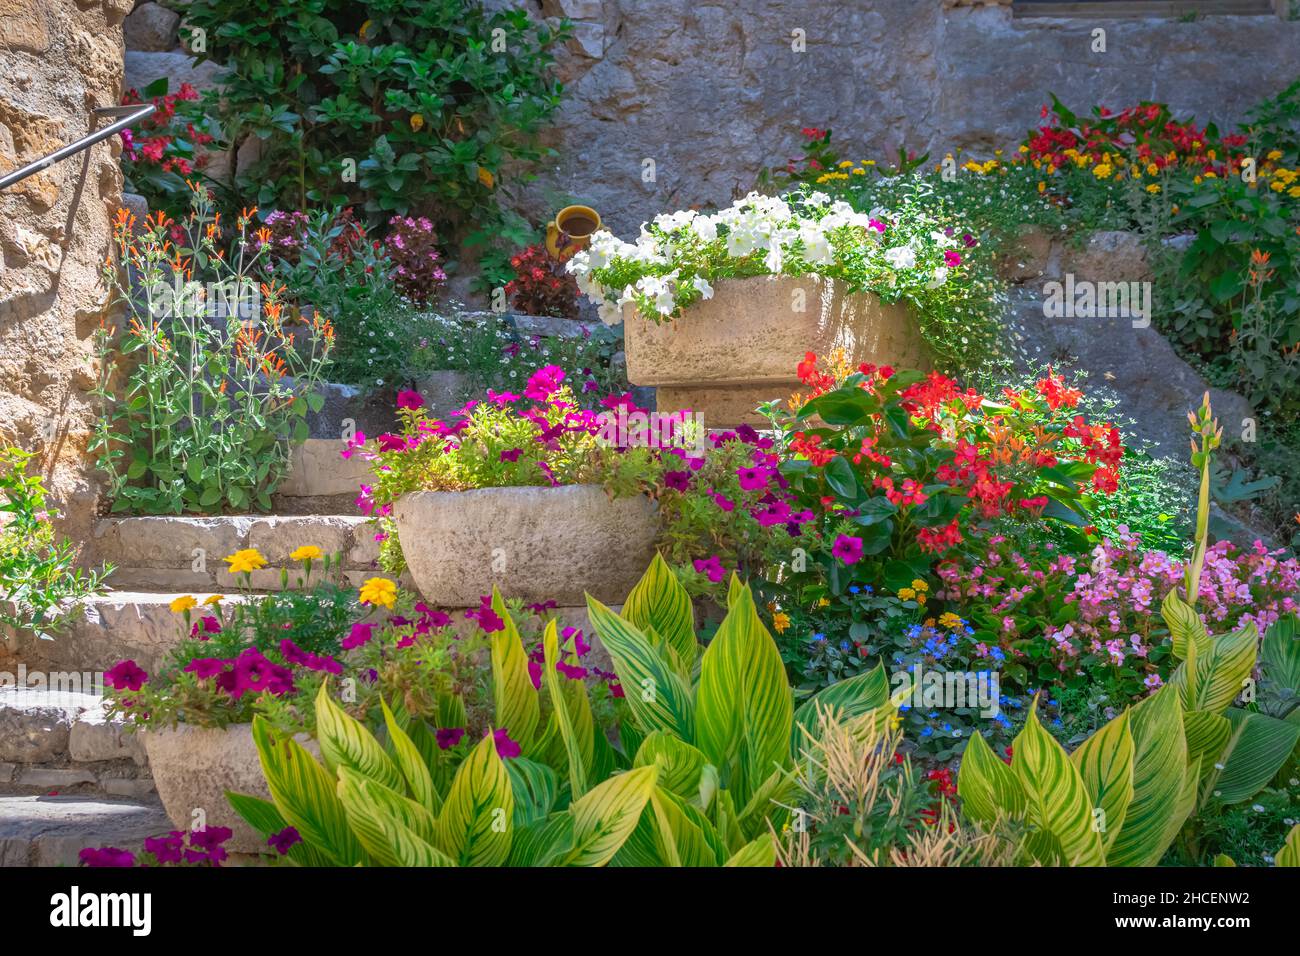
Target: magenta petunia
(361, 634)
(126, 675)
(571, 671)
(677, 480)
(409, 398)
(166, 849)
(390, 442)
(449, 737)
(511, 454)
(544, 383)
(506, 748)
(847, 548)
(284, 840)
(206, 667)
(535, 674)
(951, 258)
(711, 567)
(752, 479)
(106, 856)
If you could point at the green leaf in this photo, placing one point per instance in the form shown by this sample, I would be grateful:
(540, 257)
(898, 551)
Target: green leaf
(758, 852)
(987, 787)
(1105, 763)
(344, 742)
(1281, 652)
(474, 827)
(516, 703)
(660, 602)
(419, 782)
(845, 699)
(680, 764)
(1257, 748)
(572, 712)
(606, 815)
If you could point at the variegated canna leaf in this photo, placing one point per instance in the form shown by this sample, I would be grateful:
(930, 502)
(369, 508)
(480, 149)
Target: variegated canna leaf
(1105, 762)
(1160, 765)
(515, 701)
(344, 742)
(475, 825)
(606, 815)
(572, 711)
(987, 787)
(660, 602)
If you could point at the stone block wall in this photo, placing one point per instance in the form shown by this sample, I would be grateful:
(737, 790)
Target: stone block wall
(59, 59)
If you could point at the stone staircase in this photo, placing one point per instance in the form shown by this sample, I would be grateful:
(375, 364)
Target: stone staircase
(70, 777)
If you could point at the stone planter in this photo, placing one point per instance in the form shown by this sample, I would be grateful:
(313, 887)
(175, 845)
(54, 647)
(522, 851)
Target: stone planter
(193, 767)
(536, 544)
(744, 343)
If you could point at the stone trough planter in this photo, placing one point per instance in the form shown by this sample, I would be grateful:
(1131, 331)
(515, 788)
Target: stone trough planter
(193, 767)
(535, 543)
(742, 346)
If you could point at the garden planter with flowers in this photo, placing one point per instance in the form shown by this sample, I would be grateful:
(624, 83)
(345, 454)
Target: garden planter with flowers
(732, 302)
(194, 767)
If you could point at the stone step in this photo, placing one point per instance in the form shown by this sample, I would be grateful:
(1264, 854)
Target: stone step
(167, 553)
(44, 830)
(317, 469)
(62, 740)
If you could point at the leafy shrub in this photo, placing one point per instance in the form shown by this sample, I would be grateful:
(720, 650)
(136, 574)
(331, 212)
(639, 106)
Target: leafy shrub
(212, 397)
(38, 569)
(434, 104)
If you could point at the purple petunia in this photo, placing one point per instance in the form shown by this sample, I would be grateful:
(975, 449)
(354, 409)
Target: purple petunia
(449, 737)
(847, 548)
(126, 675)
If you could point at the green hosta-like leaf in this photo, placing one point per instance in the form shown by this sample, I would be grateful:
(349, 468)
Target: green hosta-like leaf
(845, 699)
(535, 787)
(606, 815)
(1105, 763)
(304, 793)
(1224, 860)
(1184, 625)
(1256, 749)
(1289, 855)
(655, 693)
(1207, 734)
(987, 787)
(680, 764)
(1056, 799)
(572, 713)
(344, 742)
(1281, 652)
(263, 817)
(734, 589)
(1159, 766)
(660, 602)
(543, 842)
(1220, 674)
(744, 708)
(767, 805)
(515, 700)
(371, 808)
(758, 852)
(419, 782)
(474, 827)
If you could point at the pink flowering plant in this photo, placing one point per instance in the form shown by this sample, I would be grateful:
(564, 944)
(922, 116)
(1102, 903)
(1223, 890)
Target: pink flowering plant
(246, 654)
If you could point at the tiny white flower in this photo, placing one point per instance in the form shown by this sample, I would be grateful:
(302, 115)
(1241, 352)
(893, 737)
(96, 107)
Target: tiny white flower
(900, 257)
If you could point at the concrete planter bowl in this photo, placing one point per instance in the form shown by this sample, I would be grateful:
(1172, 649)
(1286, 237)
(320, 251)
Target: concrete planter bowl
(534, 543)
(193, 767)
(742, 346)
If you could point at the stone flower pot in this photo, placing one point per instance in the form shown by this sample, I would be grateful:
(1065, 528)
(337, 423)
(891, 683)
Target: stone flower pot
(193, 767)
(726, 353)
(534, 543)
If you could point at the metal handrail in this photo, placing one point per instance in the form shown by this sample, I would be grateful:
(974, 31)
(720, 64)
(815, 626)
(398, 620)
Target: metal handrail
(129, 114)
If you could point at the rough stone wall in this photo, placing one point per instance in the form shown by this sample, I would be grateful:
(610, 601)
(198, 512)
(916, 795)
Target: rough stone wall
(59, 59)
(712, 91)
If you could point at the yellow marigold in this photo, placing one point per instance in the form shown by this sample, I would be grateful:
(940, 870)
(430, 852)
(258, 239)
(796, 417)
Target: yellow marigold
(780, 621)
(859, 172)
(417, 122)
(1197, 180)
(906, 593)
(1153, 169)
(1024, 148)
(1042, 187)
(379, 591)
(920, 599)
(308, 552)
(949, 619)
(1103, 170)
(1294, 192)
(1153, 188)
(182, 604)
(486, 178)
(920, 585)
(1274, 155)
(823, 602)
(845, 163)
(245, 560)
(212, 599)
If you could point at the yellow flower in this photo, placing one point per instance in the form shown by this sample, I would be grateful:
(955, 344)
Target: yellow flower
(1211, 176)
(823, 602)
(920, 585)
(364, 27)
(1024, 148)
(1103, 170)
(245, 560)
(486, 178)
(1153, 189)
(920, 599)
(949, 620)
(780, 621)
(182, 604)
(1274, 155)
(906, 593)
(845, 164)
(308, 552)
(1042, 187)
(1153, 169)
(868, 162)
(379, 591)
(895, 722)
(1294, 192)
(1197, 180)
(212, 599)
(417, 122)
(859, 172)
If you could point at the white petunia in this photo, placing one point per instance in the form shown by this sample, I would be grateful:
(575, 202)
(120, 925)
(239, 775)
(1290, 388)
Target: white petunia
(940, 277)
(900, 257)
(702, 286)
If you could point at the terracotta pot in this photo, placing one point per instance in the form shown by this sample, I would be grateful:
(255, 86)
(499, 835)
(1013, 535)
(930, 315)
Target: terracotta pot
(534, 543)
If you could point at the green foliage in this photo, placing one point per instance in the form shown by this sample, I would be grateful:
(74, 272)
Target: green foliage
(38, 568)
(430, 105)
(219, 381)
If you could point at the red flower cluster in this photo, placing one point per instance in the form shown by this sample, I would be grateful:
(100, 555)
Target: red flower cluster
(541, 286)
(152, 140)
